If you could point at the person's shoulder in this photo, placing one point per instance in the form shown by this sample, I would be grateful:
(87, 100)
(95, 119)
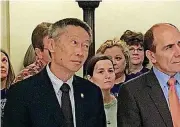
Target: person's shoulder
(27, 82)
(91, 91)
(145, 70)
(27, 69)
(137, 83)
(26, 73)
(85, 83)
(82, 80)
(25, 88)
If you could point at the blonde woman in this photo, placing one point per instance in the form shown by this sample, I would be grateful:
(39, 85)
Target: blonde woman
(118, 51)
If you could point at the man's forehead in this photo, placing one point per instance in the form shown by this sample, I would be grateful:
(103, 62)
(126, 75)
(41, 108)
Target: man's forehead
(165, 32)
(76, 35)
(162, 28)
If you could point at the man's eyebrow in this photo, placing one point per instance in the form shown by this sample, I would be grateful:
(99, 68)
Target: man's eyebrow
(168, 45)
(88, 41)
(100, 69)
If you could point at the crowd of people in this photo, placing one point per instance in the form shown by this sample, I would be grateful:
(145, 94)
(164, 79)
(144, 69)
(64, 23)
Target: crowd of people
(119, 90)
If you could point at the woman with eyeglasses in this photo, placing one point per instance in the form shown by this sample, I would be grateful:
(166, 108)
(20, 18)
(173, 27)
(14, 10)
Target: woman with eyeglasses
(138, 60)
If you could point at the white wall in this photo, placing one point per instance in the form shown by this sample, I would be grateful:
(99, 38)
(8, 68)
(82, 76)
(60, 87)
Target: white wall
(5, 35)
(112, 19)
(25, 15)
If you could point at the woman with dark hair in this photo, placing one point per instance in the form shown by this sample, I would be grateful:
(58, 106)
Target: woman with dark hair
(138, 59)
(100, 71)
(7, 77)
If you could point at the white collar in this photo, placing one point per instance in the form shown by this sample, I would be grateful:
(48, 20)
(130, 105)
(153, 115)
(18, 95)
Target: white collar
(56, 82)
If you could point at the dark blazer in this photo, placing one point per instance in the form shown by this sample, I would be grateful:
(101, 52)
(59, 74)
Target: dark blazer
(141, 103)
(33, 103)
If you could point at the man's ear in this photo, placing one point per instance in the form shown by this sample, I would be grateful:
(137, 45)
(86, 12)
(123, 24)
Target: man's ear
(38, 53)
(89, 77)
(151, 56)
(51, 45)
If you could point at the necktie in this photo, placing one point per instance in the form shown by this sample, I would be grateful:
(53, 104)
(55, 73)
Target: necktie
(174, 103)
(66, 105)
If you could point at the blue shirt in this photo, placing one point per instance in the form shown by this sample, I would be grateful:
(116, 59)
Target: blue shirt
(163, 79)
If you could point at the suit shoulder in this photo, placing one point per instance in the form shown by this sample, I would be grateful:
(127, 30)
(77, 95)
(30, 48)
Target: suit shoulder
(25, 85)
(137, 83)
(28, 80)
(86, 83)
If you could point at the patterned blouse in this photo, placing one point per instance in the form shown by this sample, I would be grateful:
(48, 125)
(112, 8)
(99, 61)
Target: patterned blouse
(29, 71)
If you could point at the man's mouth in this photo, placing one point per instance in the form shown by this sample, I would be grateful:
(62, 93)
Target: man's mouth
(77, 61)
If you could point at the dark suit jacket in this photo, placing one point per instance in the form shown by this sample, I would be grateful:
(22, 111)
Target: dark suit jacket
(141, 103)
(33, 103)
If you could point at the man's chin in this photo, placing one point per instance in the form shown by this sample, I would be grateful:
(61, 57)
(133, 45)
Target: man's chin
(177, 70)
(75, 69)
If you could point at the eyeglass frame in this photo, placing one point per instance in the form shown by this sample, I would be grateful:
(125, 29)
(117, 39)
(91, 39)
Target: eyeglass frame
(138, 50)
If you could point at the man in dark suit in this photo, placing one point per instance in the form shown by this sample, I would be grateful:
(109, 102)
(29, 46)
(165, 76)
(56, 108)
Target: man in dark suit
(55, 97)
(145, 101)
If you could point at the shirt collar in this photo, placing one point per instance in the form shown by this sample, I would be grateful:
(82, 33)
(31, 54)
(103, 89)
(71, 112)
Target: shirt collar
(56, 82)
(163, 78)
(177, 77)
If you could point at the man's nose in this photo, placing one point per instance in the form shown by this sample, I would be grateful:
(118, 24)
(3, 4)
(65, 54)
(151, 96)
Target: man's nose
(114, 62)
(107, 75)
(177, 50)
(79, 50)
(135, 51)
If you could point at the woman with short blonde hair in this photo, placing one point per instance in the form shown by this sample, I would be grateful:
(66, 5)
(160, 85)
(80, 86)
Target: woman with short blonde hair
(118, 51)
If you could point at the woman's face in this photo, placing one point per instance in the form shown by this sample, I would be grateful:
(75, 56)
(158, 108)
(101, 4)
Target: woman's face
(136, 54)
(4, 66)
(118, 58)
(103, 74)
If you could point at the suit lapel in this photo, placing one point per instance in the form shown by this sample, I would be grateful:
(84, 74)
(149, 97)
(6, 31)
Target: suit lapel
(79, 97)
(50, 98)
(158, 98)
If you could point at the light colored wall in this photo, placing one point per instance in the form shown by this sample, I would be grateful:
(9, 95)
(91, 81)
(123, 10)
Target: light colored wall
(5, 35)
(112, 19)
(25, 15)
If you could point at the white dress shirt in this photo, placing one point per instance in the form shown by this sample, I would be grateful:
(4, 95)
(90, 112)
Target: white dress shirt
(57, 83)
